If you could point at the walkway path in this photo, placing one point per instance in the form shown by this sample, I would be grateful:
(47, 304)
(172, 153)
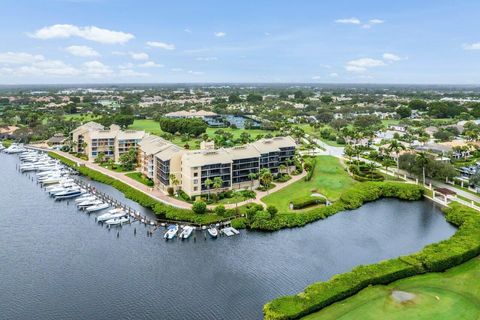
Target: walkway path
(162, 197)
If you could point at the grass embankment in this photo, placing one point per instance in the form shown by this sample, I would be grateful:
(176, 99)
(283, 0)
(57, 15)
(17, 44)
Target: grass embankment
(329, 179)
(454, 294)
(461, 247)
(137, 176)
(161, 209)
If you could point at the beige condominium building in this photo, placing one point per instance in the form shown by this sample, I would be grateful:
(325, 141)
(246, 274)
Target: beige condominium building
(92, 139)
(191, 169)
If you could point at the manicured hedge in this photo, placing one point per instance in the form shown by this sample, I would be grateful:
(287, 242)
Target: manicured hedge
(161, 209)
(462, 246)
(307, 201)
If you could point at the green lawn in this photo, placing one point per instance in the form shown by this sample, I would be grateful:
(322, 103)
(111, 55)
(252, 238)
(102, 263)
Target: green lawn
(81, 117)
(140, 178)
(388, 122)
(329, 179)
(454, 294)
(153, 127)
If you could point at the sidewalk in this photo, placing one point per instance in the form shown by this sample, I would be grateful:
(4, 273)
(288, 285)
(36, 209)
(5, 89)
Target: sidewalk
(162, 197)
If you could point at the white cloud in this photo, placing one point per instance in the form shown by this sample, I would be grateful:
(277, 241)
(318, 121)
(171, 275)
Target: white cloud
(150, 64)
(348, 21)
(219, 34)
(391, 57)
(355, 69)
(127, 65)
(82, 51)
(96, 69)
(197, 73)
(132, 73)
(316, 77)
(376, 21)
(333, 74)
(176, 69)
(187, 30)
(361, 65)
(206, 58)
(139, 56)
(19, 57)
(267, 33)
(161, 45)
(92, 33)
(472, 46)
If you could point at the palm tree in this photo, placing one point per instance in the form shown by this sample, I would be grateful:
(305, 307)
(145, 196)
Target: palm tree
(252, 176)
(208, 183)
(217, 183)
(396, 147)
(173, 181)
(422, 160)
(289, 162)
(266, 178)
(371, 166)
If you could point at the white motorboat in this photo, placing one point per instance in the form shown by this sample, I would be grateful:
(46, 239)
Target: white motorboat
(213, 232)
(89, 203)
(186, 232)
(117, 221)
(14, 149)
(62, 188)
(109, 216)
(66, 191)
(68, 194)
(85, 197)
(171, 232)
(98, 207)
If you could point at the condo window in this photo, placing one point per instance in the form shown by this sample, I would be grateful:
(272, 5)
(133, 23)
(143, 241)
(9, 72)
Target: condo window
(195, 188)
(195, 174)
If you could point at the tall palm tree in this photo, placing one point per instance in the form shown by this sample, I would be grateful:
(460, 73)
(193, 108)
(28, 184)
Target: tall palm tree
(217, 183)
(396, 147)
(289, 162)
(371, 166)
(266, 178)
(252, 176)
(173, 181)
(208, 183)
(422, 160)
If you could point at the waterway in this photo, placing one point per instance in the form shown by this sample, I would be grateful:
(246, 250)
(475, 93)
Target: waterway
(57, 263)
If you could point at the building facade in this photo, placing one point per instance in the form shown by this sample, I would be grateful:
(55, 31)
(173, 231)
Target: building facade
(238, 167)
(92, 139)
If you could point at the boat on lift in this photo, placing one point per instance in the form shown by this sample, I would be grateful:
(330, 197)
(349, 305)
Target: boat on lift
(212, 231)
(186, 232)
(171, 232)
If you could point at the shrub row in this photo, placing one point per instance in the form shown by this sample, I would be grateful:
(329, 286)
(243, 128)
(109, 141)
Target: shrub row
(160, 209)
(462, 246)
(307, 201)
(368, 177)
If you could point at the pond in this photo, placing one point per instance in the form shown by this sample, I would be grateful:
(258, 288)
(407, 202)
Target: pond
(57, 263)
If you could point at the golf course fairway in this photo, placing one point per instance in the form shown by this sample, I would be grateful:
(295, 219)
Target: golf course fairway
(454, 294)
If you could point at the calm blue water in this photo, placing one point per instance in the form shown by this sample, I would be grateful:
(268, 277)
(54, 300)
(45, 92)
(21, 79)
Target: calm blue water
(57, 263)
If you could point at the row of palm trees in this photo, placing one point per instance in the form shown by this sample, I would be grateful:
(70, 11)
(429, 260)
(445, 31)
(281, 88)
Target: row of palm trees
(395, 147)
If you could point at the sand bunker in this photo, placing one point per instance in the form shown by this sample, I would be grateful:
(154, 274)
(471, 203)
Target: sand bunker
(402, 296)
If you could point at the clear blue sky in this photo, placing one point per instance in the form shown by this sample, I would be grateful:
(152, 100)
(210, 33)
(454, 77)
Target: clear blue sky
(79, 41)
